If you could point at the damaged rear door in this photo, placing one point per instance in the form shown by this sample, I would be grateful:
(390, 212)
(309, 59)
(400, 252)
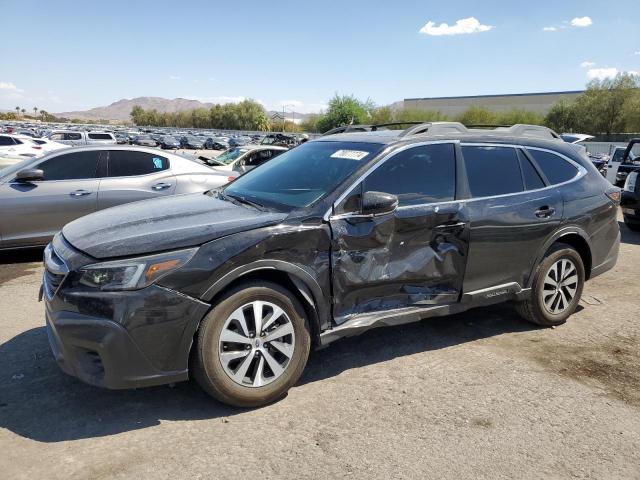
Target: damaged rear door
(412, 257)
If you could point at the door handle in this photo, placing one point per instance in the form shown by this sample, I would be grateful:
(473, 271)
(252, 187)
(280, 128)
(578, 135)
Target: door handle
(545, 212)
(449, 226)
(80, 193)
(161, 186)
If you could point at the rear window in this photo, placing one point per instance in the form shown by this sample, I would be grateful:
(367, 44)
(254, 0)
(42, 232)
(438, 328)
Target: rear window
(555, 168)
(492, 170)
(100, 136)
(123, 163)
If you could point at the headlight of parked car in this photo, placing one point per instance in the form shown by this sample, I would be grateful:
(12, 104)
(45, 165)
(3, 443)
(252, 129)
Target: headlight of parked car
(133, 273)
(630, 183)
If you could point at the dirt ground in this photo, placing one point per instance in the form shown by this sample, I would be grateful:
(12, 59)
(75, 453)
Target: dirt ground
(477, 395)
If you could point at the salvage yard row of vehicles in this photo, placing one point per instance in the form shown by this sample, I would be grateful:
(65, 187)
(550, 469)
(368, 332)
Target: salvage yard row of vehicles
(234, 284)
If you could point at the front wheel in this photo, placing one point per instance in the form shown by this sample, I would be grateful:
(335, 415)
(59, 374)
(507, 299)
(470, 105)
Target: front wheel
(557, 287)
(253, 346)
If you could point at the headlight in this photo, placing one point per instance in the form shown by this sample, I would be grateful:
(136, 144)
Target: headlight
(630, 184)
(133, 273)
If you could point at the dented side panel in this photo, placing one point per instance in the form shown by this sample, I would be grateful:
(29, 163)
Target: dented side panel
(413, 257)
(297, 248)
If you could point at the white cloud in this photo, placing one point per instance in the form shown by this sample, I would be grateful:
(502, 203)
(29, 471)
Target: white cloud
(602, 73)
(8, 86)
(174, 77)
(462, 26)
(549, 29)
(587, 64)
(637, 53)
(581, 22)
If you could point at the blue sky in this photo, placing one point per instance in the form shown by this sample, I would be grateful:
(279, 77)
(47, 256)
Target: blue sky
(68, 55)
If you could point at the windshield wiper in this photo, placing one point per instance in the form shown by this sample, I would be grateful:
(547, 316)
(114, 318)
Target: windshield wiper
(245, 200)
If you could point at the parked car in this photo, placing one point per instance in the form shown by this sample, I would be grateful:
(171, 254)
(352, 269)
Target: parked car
(192, 142)
(620, 165)
(631, 193)
(169, 143)
(47, 145)
(39, 196)
(76, 138)
(145, 141)
(239, 160)
(237, 142)
(121, 138)
(19, 145)
(214, 143)
(329, 239)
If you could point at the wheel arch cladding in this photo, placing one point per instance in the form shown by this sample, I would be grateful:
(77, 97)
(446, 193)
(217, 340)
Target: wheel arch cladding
(290, 281)
(580, 244)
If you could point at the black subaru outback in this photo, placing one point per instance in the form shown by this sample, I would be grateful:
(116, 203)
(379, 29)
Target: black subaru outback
(336, 236)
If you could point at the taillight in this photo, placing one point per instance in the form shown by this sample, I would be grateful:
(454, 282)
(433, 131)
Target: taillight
(231, 179)
(614, 195)
(37, 147)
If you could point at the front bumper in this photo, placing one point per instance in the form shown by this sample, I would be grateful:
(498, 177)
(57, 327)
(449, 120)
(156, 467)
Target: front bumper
(116, 340)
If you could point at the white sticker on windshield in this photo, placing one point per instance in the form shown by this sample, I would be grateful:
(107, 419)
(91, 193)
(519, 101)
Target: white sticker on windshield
(350, 154)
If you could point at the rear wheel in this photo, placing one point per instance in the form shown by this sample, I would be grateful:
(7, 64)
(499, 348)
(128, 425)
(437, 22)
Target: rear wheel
(253, 346)
(556, 289)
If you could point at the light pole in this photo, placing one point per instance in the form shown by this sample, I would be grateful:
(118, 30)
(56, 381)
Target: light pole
(284, 117)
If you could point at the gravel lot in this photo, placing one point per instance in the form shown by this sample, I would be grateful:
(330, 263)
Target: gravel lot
(477, 395)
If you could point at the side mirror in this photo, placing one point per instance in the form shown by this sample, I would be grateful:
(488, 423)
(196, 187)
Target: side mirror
(29, 175)
(378, 203)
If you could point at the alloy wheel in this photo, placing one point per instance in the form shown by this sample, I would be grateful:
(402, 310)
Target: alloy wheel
(256, 344)
(560, 286)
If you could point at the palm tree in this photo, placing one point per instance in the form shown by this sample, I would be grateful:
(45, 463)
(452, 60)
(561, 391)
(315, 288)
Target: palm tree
(23, 111)
(35, 111)
(17, 110)
(42, 112)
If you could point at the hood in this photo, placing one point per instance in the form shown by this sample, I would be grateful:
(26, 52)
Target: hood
(163, 224)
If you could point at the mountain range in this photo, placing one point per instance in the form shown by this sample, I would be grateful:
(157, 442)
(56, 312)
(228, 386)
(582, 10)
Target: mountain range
(121, 109)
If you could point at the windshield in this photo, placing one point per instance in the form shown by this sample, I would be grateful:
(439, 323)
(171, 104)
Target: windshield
(230, 155)
(301, 176)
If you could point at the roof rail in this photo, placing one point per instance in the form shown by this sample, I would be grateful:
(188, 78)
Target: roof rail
(444, 128)
(434, 128)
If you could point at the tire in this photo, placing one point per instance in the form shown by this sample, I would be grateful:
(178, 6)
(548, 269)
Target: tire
(556, 309)
(216, 374)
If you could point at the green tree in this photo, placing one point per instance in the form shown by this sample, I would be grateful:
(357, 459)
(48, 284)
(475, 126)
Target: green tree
(601, 108)
(562, 117)
(345, 110)
(477, 115)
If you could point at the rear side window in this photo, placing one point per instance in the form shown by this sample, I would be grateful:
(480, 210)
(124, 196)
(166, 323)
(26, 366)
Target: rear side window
(100, 136)
(555, 168)
(71, 166)
(5, 141)
(123, 163)
(532, 180)
(492, 171)
(72, 136)
(425, 174)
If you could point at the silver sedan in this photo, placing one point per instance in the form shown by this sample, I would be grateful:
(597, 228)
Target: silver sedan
(38, 196)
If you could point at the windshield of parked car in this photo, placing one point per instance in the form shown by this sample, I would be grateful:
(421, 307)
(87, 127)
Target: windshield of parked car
(301, 176)
(170, 139)
(230, 155)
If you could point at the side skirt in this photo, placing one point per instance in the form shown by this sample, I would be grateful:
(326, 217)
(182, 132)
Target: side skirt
(388, 318)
